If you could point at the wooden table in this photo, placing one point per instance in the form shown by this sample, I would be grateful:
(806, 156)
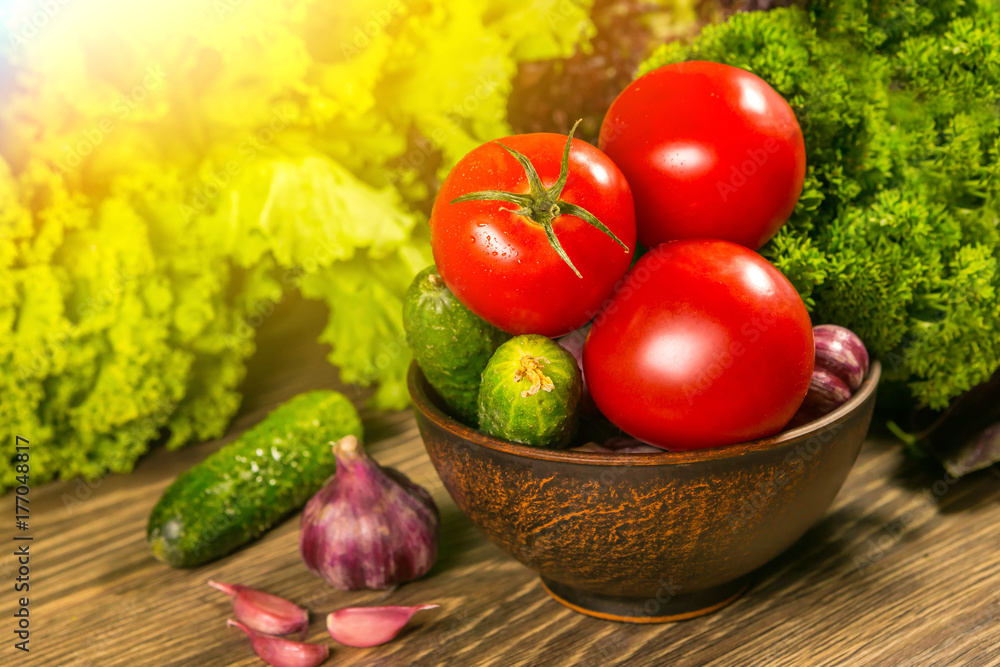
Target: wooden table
(903, 570)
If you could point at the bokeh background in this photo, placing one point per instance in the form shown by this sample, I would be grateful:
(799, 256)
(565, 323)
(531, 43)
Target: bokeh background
(172, 173)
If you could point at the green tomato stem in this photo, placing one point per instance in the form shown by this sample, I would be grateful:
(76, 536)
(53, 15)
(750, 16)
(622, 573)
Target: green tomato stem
(543, 206)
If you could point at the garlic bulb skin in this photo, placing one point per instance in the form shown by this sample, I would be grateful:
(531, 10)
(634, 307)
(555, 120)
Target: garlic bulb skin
(841, 352)
(368, 527)
(827, 392)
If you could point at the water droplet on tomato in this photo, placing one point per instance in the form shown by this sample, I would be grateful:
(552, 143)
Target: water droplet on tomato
(473, 237)
(480, 224)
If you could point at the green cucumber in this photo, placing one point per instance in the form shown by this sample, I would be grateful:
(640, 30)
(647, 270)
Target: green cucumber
(238, 493)
(530, 393)
(451, 344)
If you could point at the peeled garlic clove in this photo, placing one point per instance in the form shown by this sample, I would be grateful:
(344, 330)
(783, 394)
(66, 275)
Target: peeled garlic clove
(264, 612)
(841, 352)
(363, 627)
(280, 652)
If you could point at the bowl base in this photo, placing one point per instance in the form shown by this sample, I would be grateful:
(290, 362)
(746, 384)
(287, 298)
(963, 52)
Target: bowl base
(659, 608)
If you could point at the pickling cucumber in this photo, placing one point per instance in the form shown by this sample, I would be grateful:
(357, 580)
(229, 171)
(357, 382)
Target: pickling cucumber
(530, 393)
(238, 493)
(450, 343)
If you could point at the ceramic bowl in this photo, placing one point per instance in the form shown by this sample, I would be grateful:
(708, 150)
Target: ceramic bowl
(645, 538)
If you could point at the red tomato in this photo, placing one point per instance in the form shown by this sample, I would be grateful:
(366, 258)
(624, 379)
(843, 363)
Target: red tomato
(711, 151)
(706, 344)
(504, 265)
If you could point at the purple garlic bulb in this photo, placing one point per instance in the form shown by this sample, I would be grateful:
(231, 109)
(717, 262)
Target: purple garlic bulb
(841, 366)
(368, 527)
(841, 352)
(827, 392)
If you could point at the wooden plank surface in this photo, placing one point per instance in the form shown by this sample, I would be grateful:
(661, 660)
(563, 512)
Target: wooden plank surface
(903, 570)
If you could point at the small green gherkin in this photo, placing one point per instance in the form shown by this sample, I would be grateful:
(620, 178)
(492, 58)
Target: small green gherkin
(244, 489)
(530, 393)
(450, 343)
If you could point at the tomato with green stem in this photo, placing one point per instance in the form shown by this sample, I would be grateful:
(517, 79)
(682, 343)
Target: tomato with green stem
(532, 232)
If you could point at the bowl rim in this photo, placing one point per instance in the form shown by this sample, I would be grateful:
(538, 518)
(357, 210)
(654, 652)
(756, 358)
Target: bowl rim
(417, 383)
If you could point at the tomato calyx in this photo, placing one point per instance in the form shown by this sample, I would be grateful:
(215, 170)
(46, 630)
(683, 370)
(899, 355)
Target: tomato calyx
(531, 367)
(543, 206)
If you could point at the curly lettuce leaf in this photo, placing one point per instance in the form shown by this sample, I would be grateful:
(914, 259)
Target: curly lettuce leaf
(169, 171)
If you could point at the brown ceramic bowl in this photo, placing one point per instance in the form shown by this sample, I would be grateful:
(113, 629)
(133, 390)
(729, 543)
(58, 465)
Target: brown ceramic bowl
(645, 538)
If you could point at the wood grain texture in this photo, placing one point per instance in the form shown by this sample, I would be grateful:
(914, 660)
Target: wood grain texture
(903, 570)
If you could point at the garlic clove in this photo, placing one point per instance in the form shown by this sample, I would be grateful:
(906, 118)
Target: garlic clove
(827, 392)
(841, 352)
(264, 612)
(980, 452)
(280, 652)
(363, 627)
